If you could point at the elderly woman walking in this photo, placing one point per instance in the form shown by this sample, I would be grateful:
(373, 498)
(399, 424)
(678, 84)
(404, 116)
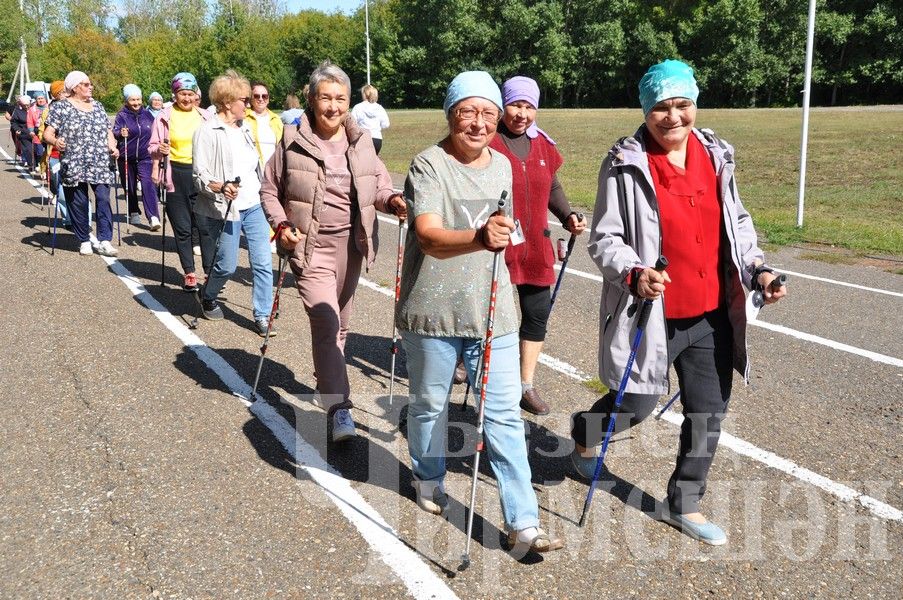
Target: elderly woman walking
(452, 187)
(172, 135)
(670, 190)
(132, 130)
(79, 129)
(534, 163)
(223, 151)
(321, 191)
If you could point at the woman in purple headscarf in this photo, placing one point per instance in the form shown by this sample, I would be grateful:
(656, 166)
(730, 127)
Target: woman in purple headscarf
(534, 163)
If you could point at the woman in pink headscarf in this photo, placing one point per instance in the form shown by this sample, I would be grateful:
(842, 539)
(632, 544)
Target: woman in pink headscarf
(534, 163)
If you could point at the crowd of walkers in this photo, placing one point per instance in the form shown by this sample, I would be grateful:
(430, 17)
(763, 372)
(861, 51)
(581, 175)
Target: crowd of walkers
(310, 180)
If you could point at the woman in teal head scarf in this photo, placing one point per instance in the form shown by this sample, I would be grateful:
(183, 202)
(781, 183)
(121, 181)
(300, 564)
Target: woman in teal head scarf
(669, 190)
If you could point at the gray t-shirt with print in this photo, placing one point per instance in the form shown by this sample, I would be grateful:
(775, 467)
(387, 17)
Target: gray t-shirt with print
(450, 297)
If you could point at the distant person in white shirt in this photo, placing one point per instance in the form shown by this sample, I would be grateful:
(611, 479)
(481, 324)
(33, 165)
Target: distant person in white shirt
(371, 116)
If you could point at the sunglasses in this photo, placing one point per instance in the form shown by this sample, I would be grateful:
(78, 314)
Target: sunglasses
(261, 96)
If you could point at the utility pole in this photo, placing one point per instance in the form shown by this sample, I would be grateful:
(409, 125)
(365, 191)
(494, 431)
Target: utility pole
(367, 35)
(807, 84)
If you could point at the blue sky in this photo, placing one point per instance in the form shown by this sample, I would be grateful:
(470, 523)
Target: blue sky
(345, 6)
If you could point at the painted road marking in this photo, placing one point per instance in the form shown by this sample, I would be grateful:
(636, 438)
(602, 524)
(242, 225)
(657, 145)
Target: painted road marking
(419, 579)
(742, 447)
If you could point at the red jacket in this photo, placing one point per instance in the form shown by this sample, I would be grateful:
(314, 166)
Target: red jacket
(532, 261)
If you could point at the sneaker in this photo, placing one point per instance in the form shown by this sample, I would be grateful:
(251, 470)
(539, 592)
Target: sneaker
(212, 310)
(261, 325)
(191, 282)
(342, 425)
(196, 250)
(135, 219)
(431, 496)
(707, 533)
(155, 224)
(585, 466)
(85, 249)
(94, 243)
(106, 249)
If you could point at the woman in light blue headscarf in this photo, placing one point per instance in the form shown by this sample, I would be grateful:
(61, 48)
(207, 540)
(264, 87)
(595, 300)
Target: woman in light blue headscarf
(452, 190)
(669, 191)
(155, 103)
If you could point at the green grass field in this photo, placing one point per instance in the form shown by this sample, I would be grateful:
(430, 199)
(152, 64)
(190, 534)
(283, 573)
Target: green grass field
(854, 196)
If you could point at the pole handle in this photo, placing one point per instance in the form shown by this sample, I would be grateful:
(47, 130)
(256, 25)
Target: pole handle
(646, 307)
(777, 283)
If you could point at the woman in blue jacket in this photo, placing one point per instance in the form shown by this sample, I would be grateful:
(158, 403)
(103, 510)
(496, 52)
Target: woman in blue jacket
(132, 130)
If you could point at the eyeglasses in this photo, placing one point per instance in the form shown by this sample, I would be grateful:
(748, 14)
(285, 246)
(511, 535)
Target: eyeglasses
(261, 96)
(469, 113)
(86, 84)
(244, 99)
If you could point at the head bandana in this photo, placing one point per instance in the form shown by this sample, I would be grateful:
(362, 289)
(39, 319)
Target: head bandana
(184, 81)
(25, 100)
(471, 84)
(131, 91)
(73, 79)
(668, 79)
(56, 87)
(524, 88)
(154, 96)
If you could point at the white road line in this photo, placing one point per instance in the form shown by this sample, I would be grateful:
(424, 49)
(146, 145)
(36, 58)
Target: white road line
(875, 356)
(598, 278)
(742, 447)
(843, 283)
(27, 176)
(419, 579)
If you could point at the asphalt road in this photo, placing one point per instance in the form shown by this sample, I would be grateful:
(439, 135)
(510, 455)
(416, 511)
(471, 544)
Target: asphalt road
(132, 469)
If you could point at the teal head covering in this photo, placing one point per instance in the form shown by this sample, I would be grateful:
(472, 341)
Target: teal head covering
(184, 81)
(131, 90)
(668, 79)
(469, 84)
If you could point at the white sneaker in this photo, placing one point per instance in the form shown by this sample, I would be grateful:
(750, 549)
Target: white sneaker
(342, 425)
(135, 219)
(196, 250)
(85, 248)
(155, 224)
(107, 249)
(94, 243)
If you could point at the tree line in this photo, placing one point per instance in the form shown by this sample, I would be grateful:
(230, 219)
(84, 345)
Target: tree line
(583, 53)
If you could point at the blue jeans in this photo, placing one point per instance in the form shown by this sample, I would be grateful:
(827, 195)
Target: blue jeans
(431, 364)
(80, 211)
(257, 232)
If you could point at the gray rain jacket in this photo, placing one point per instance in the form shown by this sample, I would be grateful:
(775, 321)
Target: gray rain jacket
(626, 233)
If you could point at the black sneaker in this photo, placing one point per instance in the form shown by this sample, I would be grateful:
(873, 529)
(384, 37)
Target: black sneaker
(212, 310)
(261, 326)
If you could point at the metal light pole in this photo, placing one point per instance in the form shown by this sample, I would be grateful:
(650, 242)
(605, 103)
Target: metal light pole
(807, 84)
(367, 35)
(21, 75)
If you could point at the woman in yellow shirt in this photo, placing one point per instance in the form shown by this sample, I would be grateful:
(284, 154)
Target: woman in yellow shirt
(172, 136)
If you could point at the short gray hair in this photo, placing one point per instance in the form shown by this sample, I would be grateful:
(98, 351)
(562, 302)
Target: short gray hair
(326, 71)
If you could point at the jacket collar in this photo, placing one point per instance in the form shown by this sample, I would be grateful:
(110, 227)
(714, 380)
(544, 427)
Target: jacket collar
(631, 151)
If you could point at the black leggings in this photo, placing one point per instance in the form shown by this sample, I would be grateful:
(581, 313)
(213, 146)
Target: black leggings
(180, 209)
(535, 304)
(701, 349)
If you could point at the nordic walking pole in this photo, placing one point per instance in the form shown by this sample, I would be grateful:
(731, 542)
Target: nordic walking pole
(646, 306)
(116, 195)
(164, 164)
(283, 264)
(564, 262)
(200, 293)
(484, 382)
(394, 348)
(128, 221)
